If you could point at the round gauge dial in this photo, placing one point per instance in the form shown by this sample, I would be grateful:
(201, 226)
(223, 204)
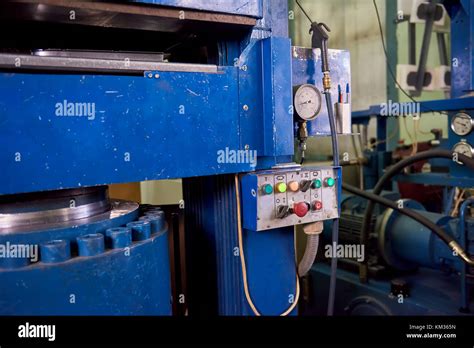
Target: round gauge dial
(464, 148)
(307, 102)
(462, 124)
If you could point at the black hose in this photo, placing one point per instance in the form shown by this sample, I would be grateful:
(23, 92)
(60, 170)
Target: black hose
(335, 225)
(389, 174)
(408, 212)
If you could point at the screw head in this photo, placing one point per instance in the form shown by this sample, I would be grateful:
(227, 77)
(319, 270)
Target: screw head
(245, 107)
(157, 76)
(244, 67)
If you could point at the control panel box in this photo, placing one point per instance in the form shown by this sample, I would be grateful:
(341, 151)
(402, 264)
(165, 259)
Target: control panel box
(288, 197)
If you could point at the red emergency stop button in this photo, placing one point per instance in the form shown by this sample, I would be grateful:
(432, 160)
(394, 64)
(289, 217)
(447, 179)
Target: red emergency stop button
(317, 205)
(301, 209)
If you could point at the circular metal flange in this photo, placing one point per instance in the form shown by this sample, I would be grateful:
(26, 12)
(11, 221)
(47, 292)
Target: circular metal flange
(115, 209)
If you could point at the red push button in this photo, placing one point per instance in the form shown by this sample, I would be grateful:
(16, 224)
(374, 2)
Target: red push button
(317, 205)
(301, 209)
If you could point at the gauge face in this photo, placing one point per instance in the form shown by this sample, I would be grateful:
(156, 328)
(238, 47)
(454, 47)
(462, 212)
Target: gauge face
(461, 124)
(307, 102)
(464, 148)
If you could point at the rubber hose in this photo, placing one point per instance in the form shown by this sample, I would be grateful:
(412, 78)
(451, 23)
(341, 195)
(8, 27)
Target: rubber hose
(335, 225)
(445, 237)
(312, 243)
(391, 172)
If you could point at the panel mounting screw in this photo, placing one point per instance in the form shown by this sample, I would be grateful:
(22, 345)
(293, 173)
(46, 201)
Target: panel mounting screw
(245, 107)
(244, 67)
(247, 147)
(157, 76)
(150, 75)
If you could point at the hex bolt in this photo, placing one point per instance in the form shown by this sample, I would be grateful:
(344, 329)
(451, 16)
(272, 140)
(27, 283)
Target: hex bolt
(91, 244)
(55, 251)
(245, 107)
(157, 222)
(155, 212)
(141, 230)
(120, 237)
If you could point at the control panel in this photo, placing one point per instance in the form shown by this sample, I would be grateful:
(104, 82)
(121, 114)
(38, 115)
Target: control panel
(279, 198)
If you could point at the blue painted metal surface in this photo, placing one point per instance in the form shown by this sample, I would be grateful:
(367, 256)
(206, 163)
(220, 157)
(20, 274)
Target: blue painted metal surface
(272, 134)
(462, 46)
(412, 244)
(306, 67)
(88, 269)
(239, 7)
(143, 128)
(430, 294)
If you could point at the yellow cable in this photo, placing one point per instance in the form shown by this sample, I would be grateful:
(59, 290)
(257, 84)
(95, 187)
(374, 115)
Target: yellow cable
(242, 261)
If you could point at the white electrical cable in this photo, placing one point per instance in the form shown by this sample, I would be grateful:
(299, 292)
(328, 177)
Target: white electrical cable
(244, 268)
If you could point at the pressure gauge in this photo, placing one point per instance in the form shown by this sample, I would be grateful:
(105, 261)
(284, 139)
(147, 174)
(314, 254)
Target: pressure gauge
(464, 148)
(307, 102)
(462, 124)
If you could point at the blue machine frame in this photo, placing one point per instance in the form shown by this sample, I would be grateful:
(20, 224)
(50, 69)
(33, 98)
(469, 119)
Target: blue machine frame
(169, 123)
(145, 128)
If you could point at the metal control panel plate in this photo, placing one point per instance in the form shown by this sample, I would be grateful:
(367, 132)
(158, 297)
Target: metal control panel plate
(280, 198)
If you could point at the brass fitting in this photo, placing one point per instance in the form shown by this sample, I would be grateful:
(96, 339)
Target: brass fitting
(326, 81)
(461, 252)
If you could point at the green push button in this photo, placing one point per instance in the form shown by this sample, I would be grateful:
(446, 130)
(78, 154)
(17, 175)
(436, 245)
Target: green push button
(281, 187)
(267, 189)
(316, 183)
(330, 182)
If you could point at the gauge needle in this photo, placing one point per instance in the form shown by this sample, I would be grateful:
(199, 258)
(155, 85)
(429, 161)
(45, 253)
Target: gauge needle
(308, 102)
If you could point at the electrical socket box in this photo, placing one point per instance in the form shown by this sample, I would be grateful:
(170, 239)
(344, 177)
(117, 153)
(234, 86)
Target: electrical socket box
(291, 196)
